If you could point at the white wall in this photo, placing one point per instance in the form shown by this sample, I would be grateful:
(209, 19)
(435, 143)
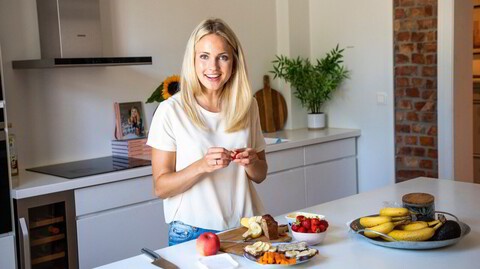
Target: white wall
(365, 29)
(67, 114)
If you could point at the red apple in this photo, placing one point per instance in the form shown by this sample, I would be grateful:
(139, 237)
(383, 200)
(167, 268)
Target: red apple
(208, 244)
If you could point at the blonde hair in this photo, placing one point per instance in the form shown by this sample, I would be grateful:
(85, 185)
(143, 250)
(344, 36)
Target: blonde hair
(236, 95)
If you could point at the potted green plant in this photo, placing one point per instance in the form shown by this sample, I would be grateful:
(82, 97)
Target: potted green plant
(314, 84)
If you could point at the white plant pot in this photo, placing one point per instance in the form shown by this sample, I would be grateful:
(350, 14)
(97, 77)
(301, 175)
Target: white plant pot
(316, 121)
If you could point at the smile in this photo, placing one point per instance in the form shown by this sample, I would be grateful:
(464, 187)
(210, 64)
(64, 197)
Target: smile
(213, 76)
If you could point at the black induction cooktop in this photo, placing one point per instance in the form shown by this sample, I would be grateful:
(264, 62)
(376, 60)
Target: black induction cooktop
(90, 167)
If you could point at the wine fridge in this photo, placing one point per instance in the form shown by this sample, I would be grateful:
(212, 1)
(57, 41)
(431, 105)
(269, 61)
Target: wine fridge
(46, 231)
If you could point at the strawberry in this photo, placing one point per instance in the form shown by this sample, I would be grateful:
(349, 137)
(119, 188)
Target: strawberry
(307, 223)
(321, 228)
(324, 222)
(301, 230)
(300, 218)
(295, 227)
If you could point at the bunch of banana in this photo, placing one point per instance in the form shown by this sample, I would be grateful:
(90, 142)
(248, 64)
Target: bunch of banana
(416, 231)
(253, 225)
(385, 222)
(391, 217)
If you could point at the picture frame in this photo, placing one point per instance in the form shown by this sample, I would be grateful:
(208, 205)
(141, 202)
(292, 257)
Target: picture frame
(129, 120)
(476, 29)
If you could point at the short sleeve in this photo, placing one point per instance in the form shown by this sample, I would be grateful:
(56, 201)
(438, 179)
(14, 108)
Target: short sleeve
(161, 135)
(258, 141)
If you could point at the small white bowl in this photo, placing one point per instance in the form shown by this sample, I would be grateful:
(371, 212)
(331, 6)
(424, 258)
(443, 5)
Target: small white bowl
(292, 217)
(310, 238)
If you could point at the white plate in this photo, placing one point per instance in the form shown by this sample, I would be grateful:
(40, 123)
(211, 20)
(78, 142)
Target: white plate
(224, 261)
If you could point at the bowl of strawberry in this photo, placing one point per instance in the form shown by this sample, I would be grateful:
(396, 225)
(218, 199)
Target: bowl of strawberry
(311, 230)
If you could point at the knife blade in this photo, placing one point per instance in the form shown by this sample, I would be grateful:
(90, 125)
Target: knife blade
(158, 260)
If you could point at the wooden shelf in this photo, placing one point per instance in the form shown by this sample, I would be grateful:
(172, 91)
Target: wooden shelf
(48, 239)
(48, 258)
(39, 223)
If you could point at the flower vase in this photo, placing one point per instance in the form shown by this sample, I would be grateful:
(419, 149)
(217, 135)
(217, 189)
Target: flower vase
(316, 121)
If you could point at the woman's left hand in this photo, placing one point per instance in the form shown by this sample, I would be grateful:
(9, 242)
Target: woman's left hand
(245, 157)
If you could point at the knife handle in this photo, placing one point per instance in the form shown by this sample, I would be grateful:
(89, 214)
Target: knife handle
(150, 253)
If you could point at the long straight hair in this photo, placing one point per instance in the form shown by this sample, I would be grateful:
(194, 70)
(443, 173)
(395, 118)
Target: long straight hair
(236, 95)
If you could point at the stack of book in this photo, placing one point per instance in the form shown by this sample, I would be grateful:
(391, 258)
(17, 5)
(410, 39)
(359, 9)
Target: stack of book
(131, 148)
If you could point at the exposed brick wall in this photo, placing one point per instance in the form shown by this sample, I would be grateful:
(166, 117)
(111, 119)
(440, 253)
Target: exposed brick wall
(415, 63)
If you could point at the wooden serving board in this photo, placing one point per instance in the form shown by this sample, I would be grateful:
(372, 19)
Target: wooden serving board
(271, 107)
(236, 234)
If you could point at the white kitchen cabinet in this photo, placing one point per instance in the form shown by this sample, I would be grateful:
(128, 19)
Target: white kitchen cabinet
(309, 175)
(283, 191)
(115, 220)
(120, 233)
(330, 180)
(7, 252)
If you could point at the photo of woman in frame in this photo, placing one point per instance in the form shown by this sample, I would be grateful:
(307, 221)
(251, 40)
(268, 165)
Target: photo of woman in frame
(132, 120)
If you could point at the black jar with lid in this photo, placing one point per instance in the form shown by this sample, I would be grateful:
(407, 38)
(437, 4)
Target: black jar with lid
(423, 204)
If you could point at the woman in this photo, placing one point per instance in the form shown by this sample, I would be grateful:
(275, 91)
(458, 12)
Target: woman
(135, 121)
(207, 141)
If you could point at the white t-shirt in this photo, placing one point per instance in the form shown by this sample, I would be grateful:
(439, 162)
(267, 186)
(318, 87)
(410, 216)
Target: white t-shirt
(222, 197)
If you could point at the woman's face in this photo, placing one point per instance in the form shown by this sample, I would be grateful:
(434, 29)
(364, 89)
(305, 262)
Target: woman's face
(134, 112)
(213, 62)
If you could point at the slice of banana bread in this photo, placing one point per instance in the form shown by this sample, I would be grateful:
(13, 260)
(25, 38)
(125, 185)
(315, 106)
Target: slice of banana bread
(269, 227)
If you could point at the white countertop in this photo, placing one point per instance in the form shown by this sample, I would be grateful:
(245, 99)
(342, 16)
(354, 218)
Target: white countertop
(343, 250)
(29, 184)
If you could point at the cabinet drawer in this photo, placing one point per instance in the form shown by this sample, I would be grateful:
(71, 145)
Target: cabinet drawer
(329, 181)
(329, 151)
(284, 159)
(283, 192)
(112, 195)
(120, 233)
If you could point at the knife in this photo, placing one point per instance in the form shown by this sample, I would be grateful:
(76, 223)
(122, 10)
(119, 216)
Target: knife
(159, 261)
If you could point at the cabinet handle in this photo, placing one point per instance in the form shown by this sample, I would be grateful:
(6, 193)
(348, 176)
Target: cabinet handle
(24, 244)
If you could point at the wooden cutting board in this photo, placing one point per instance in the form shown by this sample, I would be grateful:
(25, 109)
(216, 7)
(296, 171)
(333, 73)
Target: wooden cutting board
(236, 234)
(272, 107)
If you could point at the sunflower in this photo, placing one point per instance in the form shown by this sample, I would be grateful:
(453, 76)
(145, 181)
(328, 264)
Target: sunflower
(171, 85)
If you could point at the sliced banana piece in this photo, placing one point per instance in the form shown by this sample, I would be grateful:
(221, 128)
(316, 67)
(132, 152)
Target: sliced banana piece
(266, 246)
(256, 244)
(256, 230)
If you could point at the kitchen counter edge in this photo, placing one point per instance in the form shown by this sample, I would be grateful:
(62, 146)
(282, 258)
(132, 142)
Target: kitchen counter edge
(30, 184)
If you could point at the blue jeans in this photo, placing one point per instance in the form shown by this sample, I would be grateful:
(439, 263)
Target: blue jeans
(179, 232)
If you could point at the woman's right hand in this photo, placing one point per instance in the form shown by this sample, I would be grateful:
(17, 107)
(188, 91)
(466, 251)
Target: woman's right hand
(216, 158)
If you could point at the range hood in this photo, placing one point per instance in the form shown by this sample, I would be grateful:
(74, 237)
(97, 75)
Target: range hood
(70, 36)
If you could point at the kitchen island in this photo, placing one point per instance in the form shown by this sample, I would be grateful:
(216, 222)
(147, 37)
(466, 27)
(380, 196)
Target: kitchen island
(316, 166)
(343, 249)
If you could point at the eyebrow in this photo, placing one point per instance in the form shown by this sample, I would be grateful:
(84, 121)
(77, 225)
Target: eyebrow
(222, 53)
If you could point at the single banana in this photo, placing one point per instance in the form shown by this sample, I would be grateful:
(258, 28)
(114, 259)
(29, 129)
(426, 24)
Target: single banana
(384, 228)
(414, 226)
(368, 222)
(394, 211)
(414, 235)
